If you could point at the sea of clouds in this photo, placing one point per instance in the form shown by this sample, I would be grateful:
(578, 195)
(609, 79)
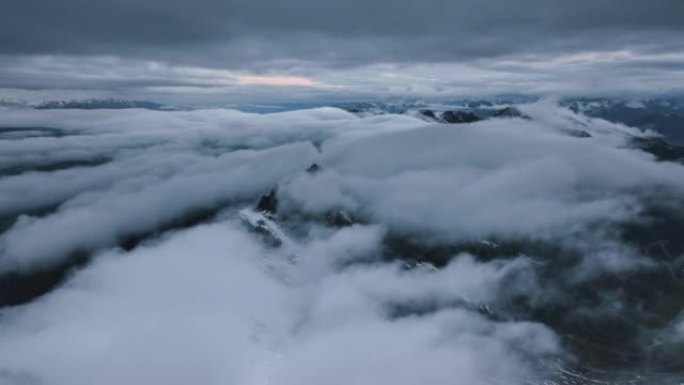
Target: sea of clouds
(165, 283)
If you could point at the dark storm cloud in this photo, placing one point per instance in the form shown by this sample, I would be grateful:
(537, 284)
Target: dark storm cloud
(358, 29)
(211, 51)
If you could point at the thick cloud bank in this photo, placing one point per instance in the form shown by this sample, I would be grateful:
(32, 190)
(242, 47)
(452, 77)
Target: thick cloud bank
(507, 251)
(212, 52)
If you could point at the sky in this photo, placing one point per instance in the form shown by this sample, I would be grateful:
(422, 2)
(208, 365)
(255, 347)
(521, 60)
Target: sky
(260, 51)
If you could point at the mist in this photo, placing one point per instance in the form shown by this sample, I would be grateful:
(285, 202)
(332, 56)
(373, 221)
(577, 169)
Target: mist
(509, 250)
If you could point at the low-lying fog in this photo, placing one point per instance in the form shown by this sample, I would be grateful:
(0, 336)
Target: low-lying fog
(507, 251)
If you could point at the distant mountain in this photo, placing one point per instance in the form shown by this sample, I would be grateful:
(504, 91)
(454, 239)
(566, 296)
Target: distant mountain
(112, 104)
(482, 107)
(452, 112)
(663, 115)
(12, 103)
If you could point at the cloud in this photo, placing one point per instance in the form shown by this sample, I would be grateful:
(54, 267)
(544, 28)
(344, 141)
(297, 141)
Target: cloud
(171, 23)
(467, 245)
(212, 313)
(279, 81)
(627, 70)
(486, 177)
(159, 50)
(137, 157)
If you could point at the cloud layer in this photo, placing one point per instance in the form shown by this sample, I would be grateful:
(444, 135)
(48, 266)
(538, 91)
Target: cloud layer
(485, 253)
(197, 53)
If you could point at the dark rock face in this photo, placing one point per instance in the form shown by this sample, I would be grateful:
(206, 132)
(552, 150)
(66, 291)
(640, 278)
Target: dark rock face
(671, 125)
(459, 117)
(339, 219)
(21, 288)
(583, 134)
(663, 115)
(314, 168)
(633, 333)
(268, 203)
(580, 134)
(662, 149)
(364, 109)
(510, 112)
(429, 114)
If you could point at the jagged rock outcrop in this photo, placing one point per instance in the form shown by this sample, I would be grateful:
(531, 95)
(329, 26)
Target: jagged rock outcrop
(458, 116)
(339, 219)
(660, 148)
(268, 203)
(428, 114)
(510, 112)
(314, 168)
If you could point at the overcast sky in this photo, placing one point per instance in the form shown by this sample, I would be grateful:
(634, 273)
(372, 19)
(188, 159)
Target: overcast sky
(244, 51)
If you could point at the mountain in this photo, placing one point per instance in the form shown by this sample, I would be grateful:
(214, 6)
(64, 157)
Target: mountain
(483, 107)
(662, 115)
(10, 103)
(452, 111)
(112, 104)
